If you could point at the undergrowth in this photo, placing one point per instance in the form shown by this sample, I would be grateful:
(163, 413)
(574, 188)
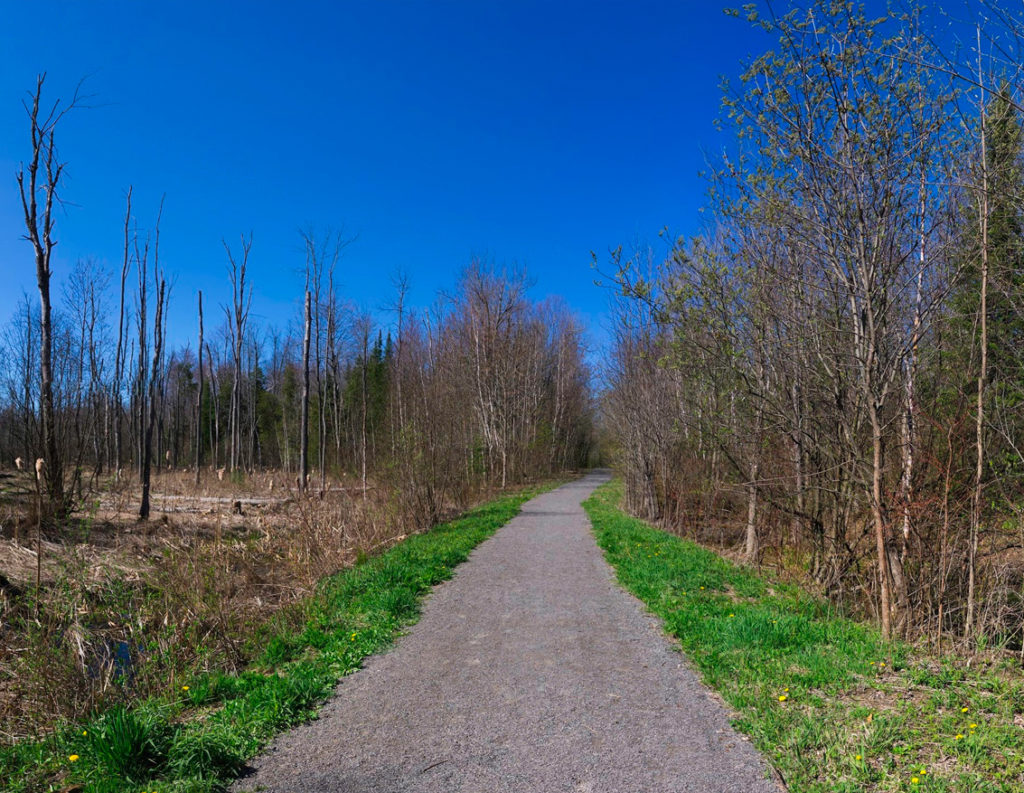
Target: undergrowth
(833, 706)
(198, 738)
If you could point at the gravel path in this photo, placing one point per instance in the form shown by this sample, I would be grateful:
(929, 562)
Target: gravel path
(530, 671)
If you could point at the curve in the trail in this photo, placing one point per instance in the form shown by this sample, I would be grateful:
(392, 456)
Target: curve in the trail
(530, 671)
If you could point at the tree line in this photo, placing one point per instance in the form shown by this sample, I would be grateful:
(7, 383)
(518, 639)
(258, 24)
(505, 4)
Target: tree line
(832, 374)
(485, 389)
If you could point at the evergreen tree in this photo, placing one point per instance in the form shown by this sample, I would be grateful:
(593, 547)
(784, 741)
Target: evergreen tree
(1006, 248)
(1005, 300)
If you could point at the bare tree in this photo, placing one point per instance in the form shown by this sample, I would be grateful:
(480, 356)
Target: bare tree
(199, 398)
(979, 470)
(156, 374)
(39, 183)
(237, 315)
(119, 363)
(304, 423)
(154, 390)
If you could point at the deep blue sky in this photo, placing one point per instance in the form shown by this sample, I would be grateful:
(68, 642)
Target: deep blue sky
(528, 132)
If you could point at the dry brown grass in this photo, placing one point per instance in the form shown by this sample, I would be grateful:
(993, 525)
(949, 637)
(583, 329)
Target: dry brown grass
(127, 608)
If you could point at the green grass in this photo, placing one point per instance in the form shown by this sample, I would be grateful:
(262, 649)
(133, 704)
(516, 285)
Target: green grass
(199, 738)
(832, 706)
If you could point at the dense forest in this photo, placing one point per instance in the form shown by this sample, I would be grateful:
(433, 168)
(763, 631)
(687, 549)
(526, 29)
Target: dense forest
(831, 375)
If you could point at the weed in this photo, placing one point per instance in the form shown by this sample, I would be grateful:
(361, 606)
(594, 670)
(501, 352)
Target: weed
(201, 752)
(128, 746)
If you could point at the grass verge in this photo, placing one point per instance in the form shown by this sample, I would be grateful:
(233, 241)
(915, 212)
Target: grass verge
(200, 738)
(832, 706)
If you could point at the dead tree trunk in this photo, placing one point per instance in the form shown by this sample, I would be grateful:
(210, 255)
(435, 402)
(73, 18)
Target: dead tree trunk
(154, 381)
(119, 354)
(40, 179)
(237, 316)
(362, 430)
(304, 429)
(199, 399)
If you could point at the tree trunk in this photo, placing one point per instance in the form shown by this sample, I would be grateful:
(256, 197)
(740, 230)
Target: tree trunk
(304, 429)
(979, 424)
(199, 399)
(39, 225)
(878, 519)
(154, 380)
(362, 433)
(119, 355)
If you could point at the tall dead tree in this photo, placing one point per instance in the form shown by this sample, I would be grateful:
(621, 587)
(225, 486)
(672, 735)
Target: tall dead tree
(237, 315)
(38, 183)
(199, 398)
(142, 319)
(362, 427)
(154, 390)
(304, 429)
(115, 398)
(156, 376)
(215, 400)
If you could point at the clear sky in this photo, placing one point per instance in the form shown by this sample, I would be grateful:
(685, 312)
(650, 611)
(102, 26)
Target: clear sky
(431, 130)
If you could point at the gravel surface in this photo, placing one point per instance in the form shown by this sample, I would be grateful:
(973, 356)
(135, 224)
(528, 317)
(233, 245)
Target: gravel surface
(530, 671)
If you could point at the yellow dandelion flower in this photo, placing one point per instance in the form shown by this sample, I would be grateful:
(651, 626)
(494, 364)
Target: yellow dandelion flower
(783, 697)
(923, 771)
(184, 688)
(702, 587)
(732, 615)
(964, 709)
(914, 780)
(858, 757)
(85, 732)
(881, 663)
(786, 690)
(959, 736)
(73, 758)
(974, 726)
